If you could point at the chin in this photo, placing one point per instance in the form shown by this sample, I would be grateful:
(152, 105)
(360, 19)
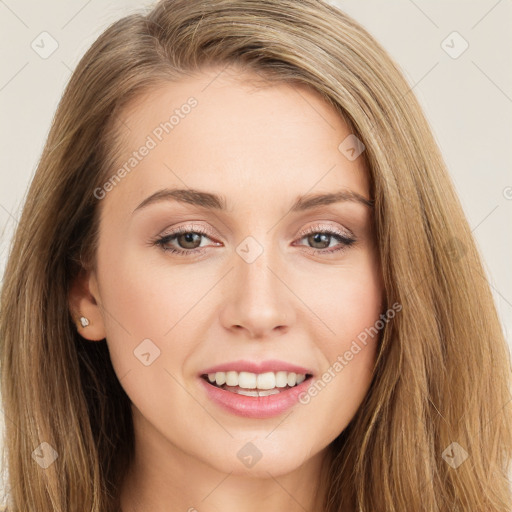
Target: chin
(258, 457)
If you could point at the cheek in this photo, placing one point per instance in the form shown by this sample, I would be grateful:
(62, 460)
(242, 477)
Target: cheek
(347, 300)
(135, 311)
(145, 296)
(147, 308)
(145, 313)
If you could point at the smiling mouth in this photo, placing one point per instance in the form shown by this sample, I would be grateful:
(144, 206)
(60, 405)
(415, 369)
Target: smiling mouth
(255, 385)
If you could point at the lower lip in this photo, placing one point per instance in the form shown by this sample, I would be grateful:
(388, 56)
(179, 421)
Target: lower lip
(256, 406)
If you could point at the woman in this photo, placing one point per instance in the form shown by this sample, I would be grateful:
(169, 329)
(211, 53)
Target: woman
(332, 346)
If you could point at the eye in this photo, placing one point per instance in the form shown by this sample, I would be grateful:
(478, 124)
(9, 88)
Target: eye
(321, 237)
(189, 238)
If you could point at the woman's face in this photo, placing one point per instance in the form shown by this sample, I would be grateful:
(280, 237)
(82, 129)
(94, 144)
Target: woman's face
(266, 278)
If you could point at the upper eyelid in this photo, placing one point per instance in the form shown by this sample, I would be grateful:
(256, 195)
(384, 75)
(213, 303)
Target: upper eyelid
(320, 225)
(188, 228)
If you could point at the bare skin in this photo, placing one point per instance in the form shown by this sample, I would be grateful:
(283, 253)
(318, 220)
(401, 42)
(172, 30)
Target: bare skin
(260, 148)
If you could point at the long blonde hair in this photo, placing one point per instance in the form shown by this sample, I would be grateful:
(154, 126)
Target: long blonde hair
(442, 374)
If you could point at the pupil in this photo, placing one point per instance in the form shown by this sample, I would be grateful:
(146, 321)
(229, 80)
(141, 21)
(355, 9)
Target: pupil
(189, 239)
(317, 238)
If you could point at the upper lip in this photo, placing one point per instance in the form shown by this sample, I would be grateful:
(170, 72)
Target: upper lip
(270, 365)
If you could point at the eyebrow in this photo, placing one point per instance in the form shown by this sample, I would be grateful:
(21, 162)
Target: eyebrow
(218, 202)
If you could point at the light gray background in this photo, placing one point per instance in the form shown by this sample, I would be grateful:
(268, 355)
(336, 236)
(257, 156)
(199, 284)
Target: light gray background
(468, 100)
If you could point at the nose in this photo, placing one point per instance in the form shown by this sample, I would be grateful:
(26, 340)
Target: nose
(257, 301)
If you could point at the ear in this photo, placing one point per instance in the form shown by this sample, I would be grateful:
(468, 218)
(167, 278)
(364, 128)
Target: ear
(84, 300)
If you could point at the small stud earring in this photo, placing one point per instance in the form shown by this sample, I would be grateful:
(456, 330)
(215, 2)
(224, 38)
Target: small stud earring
(84, 321)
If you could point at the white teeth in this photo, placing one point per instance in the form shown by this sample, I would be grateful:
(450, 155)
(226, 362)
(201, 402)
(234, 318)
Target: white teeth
(281, 379)
(264, 381)
(232, 378)
(267, 392)
(247, 380)
(246, 393)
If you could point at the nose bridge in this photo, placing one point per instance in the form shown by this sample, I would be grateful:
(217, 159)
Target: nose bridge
(258, 300)
(255, 259)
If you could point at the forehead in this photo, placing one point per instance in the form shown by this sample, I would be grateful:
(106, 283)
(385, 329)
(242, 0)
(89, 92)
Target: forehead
(232, 132)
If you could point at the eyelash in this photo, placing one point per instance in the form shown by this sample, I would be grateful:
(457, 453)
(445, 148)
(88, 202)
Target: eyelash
(162, 241)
